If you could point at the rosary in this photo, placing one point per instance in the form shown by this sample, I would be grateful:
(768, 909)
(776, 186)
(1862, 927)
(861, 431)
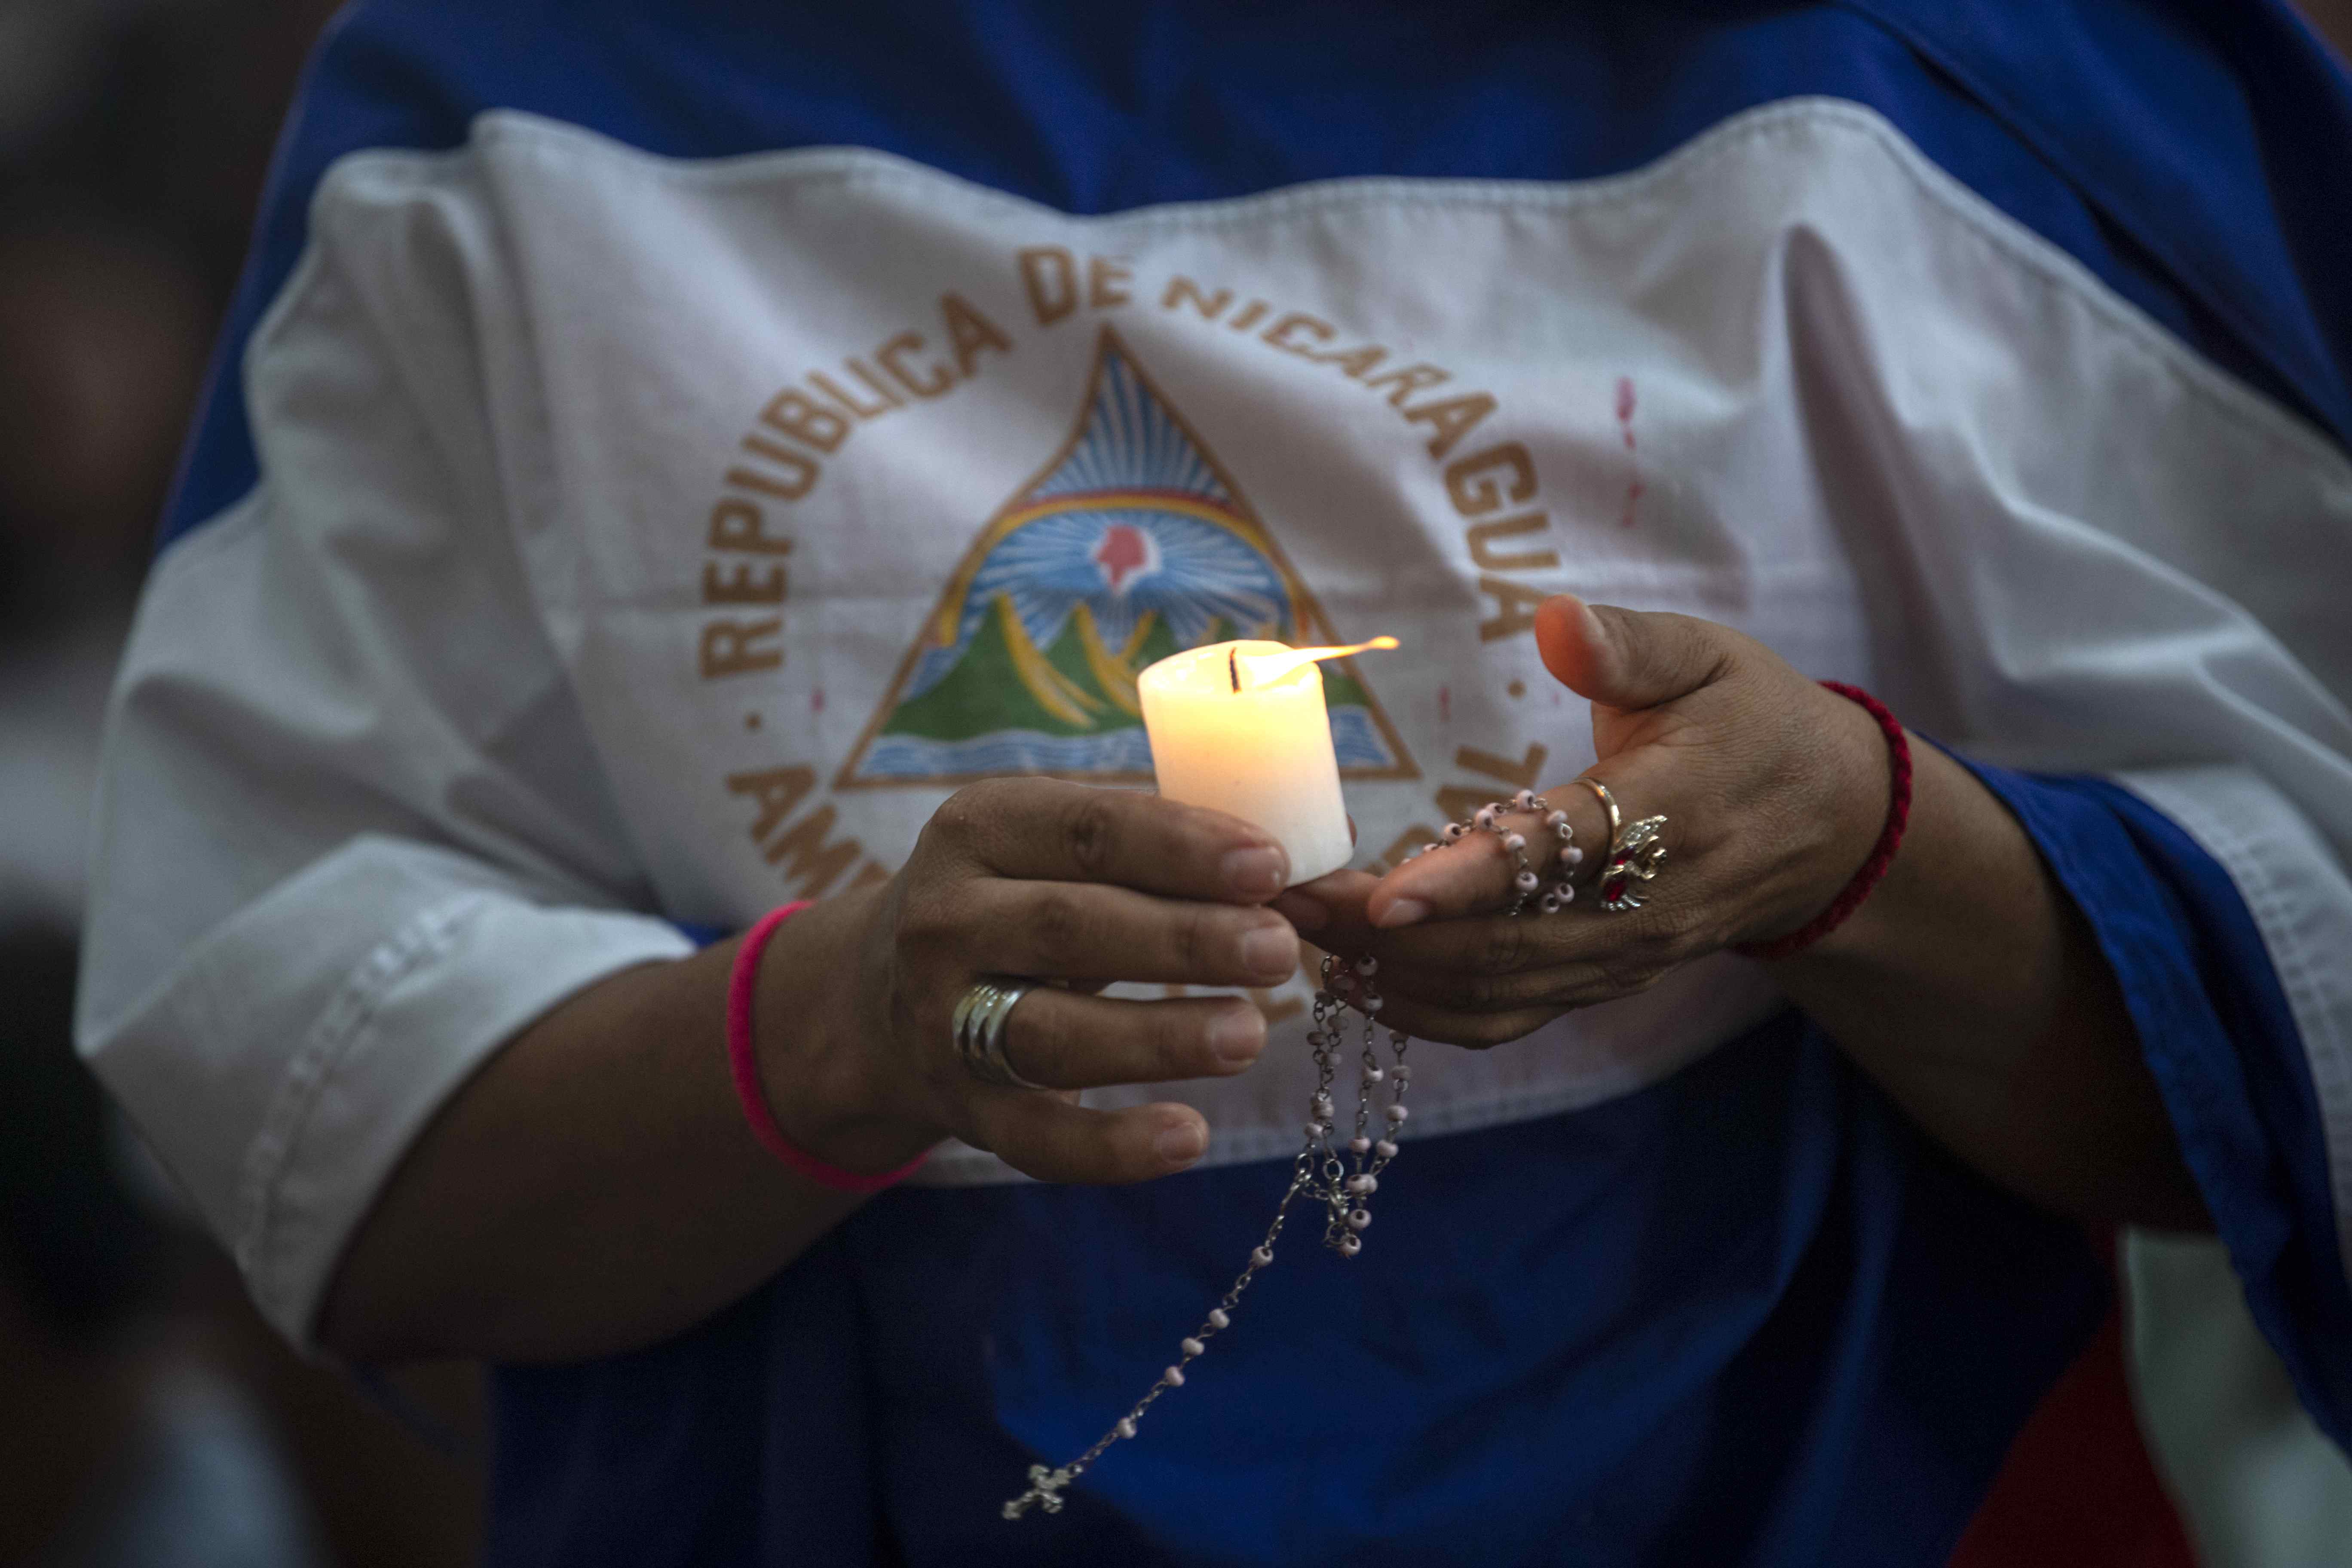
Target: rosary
(1341, 1177)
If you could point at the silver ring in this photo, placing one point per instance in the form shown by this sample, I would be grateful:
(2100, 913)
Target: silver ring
(979, 1018)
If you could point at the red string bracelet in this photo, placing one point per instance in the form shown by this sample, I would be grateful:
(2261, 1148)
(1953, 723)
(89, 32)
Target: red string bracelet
(1882, 853)
(745, 1065)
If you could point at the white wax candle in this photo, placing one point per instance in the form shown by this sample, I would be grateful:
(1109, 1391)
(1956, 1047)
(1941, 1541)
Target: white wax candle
(1261, 752)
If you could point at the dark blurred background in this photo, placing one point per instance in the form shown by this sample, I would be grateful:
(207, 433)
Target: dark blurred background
(146, 1414)
(147, 1417)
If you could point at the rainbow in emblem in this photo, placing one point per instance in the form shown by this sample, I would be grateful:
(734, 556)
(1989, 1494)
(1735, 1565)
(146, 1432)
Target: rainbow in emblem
(1130, 545)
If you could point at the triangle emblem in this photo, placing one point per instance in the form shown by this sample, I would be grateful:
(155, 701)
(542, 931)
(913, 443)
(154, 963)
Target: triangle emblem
(1132, 543)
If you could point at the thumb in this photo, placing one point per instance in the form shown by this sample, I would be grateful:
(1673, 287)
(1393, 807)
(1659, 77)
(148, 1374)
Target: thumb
(1628, 658)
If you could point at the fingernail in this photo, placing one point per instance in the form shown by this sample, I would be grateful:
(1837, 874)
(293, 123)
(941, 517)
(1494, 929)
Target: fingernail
(1302, 912)
(1270, 950)
(1257, 873)
(1237, 1035)
(1402, 912)
(1181, 1142)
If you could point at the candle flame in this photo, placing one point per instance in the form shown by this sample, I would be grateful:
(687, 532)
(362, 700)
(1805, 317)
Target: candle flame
(1267, 667)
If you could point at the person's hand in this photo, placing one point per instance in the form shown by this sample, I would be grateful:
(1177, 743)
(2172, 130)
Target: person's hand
(1773, 789)
(1048, 881)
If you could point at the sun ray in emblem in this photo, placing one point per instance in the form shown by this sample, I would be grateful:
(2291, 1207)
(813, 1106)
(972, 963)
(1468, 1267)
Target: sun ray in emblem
(1130, 544)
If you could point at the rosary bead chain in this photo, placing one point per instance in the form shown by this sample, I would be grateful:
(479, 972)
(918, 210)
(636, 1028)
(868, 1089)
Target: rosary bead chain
(1527, 877)
(1344, 1187)
(1319, 1174)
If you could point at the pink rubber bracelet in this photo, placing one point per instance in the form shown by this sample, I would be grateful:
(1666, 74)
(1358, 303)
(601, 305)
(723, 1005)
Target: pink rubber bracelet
(745, 1065)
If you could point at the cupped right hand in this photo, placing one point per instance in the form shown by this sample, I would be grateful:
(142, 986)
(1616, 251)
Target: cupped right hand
(1054, 882)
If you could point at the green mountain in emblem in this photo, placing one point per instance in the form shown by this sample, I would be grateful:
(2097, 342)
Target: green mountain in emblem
(1002, 682)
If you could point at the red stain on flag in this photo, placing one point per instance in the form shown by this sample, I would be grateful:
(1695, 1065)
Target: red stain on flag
(1626, 403)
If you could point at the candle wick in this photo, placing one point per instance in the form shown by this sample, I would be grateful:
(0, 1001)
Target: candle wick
(1267, 668)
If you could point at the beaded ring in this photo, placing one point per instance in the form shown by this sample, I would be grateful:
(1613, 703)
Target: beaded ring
(1527, 883)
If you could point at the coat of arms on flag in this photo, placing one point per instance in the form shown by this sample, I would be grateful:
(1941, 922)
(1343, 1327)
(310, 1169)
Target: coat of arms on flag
(1130, 544)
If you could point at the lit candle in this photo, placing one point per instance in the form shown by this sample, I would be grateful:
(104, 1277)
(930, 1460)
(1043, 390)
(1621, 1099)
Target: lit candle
(1240, 727)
